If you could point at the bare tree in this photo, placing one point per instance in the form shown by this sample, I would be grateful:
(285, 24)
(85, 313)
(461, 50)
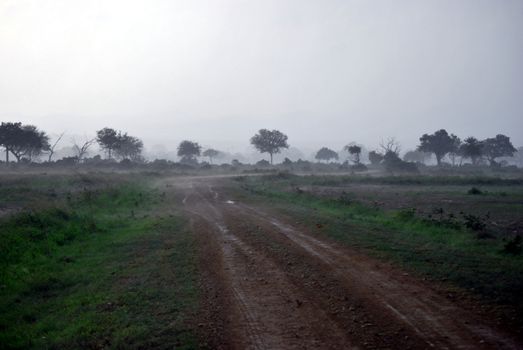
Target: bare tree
(391, 145)
(81, 150)
(51, 149)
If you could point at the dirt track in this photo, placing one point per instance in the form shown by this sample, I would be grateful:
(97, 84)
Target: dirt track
(271, 285)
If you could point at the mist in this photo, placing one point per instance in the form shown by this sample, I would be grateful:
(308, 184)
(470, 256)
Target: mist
(325, 73)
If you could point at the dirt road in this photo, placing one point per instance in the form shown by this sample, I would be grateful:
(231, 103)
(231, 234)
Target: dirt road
(272, 285)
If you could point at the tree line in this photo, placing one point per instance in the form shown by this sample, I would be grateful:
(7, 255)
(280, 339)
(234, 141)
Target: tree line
(27, 142)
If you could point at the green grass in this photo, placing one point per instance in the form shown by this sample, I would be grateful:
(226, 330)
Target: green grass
(439, 249)
(101, 271)
(337, 180)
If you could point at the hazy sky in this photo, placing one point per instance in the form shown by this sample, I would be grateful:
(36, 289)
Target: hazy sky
(324, 72)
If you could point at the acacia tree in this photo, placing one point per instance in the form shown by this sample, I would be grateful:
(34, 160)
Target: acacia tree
(499, 146)
(128, 147)
(326, 154)
(440, 143)
(211, 153)
(22, 140)
(108, 139)
(355, 151)
(189, 150)
(267, 141)
(472, 148)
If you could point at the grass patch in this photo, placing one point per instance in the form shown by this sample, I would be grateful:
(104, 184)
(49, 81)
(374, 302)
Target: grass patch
(99, 272)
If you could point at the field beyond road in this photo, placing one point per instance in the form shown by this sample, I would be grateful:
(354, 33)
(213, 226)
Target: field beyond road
(276, 261)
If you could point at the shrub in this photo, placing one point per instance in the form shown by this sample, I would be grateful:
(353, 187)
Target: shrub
(406, 214)
(475, 191)
(514, 246)
(474, 222)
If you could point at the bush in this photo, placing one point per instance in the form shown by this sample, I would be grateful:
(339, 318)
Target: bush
(474, 222)
(406, 214)
(475, 191)
(514, 246)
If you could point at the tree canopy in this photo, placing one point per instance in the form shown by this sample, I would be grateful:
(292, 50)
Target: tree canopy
(22, 140)
(326, 154)
(472, 148)
(355, 151)
(499, 146)
(440, 143)
(375, 157)
(189, 150)
(211, 154)
(267, 141)
(120, 144)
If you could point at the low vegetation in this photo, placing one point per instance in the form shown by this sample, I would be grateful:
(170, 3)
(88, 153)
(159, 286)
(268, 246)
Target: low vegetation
(89, 268)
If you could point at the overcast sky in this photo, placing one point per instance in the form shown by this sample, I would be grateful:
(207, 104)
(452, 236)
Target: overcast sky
(325, 72)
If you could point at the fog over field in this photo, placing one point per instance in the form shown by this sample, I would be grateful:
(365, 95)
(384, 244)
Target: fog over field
(325, 73)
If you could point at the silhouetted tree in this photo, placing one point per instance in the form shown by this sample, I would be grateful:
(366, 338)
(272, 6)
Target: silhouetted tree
(391, 145)
(128, 147)
(51, 149)
(81, 149)
(8, 135)
(375, 158)
(189, 150)
(440, 143)
(416, 156)
(499, 146)
(22, 140)
(108, 139)
(326, 154)
(472, 148)
(455, 151)
(267, 141)
(355, 151)
(211, 153)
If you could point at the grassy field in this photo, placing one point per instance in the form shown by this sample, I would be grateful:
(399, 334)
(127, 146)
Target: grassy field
(85, 263)
(465, 249)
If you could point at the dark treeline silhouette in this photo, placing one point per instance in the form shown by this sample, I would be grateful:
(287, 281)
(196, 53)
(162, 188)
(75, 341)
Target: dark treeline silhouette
(28, 145)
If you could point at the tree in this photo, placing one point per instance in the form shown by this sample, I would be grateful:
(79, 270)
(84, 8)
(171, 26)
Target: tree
(8, 135)
(455, 152)
(267, 141)
(22, 140)
(108, 139)
(34, 143)
(51, 149)
(82, 149)
(355, 151)
(416, 156)
(472, 148)
(128, 147)
(499, 146)
(211, 153)
(326, 154)
(391, 145)
(375, 157)
(440, 143)
(189, 150)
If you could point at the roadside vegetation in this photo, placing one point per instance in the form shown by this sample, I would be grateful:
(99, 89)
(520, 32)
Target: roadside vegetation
(454, 240)
(97, 265)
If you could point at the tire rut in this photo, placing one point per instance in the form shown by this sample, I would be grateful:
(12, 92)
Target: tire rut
(271, 313)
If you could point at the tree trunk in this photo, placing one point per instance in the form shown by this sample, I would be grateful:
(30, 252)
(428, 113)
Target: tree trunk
(7, 155)
(271, 157)
(438, 159)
